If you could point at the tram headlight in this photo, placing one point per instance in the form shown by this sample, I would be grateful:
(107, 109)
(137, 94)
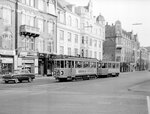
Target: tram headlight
(62, 72)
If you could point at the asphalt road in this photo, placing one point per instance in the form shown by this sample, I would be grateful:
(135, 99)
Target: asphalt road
(97, 96)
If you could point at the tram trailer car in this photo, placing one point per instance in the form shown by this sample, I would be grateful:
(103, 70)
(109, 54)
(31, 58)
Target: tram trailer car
(84, 68)
(108, 69)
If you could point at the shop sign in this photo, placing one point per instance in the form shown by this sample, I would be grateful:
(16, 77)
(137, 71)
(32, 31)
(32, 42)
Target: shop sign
(7, 52)
(7, 60)
(28, 61)
(32, 54)
(23, 54)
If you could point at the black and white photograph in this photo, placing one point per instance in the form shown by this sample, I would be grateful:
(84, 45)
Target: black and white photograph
(74, 57)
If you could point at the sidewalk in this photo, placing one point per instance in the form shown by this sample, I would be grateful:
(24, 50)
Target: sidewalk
(143, 87)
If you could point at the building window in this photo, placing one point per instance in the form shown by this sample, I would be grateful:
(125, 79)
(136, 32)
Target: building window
(95, 43)
(76, 23)
(41, 5)
(51, 27)
(61, 50)
(61, 17)
(41, 24)
(61, 35)
(69, 51)
(76, 38)
(6, 40)
(23, 18)
(100, 55)
(90, 42)
(41, 45)
(82, 53)
(32, 3)
(69, 21)
(100, 44)
(86, 53)
(7, 15)
(49, 46)
(69, 36)
(91, 54)
(95, 54)
(82, 39)
(75, 51)
(51, 7)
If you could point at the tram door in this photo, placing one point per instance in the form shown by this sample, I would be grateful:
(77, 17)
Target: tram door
(69, 68)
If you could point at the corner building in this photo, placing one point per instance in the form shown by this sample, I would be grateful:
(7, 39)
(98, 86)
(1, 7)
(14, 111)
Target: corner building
(36, 35)
(121, 46)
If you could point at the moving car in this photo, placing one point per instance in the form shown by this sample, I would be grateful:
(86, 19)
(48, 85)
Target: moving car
(19, 76)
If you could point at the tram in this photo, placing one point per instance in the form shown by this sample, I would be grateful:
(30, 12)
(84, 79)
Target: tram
(72, 68)
(108, 69)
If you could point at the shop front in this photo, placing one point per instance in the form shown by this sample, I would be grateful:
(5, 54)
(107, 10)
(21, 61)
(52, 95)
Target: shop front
(29, 61)
(45, 64)
(7, 61)
(6, 65)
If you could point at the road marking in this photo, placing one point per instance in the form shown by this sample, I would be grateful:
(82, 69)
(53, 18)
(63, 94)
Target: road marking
(148, 104)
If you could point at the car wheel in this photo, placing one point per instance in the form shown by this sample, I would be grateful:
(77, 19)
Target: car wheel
(16, 81)
(30, 79)
(6, 81)
(20, 81)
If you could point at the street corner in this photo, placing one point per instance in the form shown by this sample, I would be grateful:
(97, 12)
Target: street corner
(141, 87)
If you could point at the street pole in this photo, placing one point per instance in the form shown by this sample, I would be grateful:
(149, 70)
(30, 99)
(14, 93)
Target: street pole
(140, 59)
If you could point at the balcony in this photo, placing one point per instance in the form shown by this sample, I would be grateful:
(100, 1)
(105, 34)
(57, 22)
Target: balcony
(29, 31)
(119, 46)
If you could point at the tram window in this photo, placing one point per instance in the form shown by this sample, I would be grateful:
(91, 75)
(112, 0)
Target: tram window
(109, 65)
(69, 64)
(55, 64)
(62, 64)
(117, 65)
(99, 65)
(93, 64)
(86, 64)
(104, 65)
(78, 64)
(58, 64)
(113, 65)
(66, 64)
(72, 64)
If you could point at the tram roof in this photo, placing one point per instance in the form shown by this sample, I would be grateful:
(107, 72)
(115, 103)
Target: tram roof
(77, 59)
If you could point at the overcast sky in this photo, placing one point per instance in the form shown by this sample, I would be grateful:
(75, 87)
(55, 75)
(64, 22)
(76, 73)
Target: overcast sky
(127, 11)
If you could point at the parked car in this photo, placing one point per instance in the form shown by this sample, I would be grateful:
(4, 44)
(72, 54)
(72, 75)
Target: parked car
(18, 76)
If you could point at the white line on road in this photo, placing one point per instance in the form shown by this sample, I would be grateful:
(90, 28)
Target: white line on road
(148, 104)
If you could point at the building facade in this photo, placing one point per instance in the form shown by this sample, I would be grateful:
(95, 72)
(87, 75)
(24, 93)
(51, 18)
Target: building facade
(68, 29)
(92, 32)
(121, 46)
(36, 35)
(7, 36)
(28, 35)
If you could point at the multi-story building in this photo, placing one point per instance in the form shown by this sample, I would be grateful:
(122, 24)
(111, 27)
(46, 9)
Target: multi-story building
(7, 35)
(79, 33)
(28, 34)
(68, 29)
(36, 35)
(121, 46)
(92, 32)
